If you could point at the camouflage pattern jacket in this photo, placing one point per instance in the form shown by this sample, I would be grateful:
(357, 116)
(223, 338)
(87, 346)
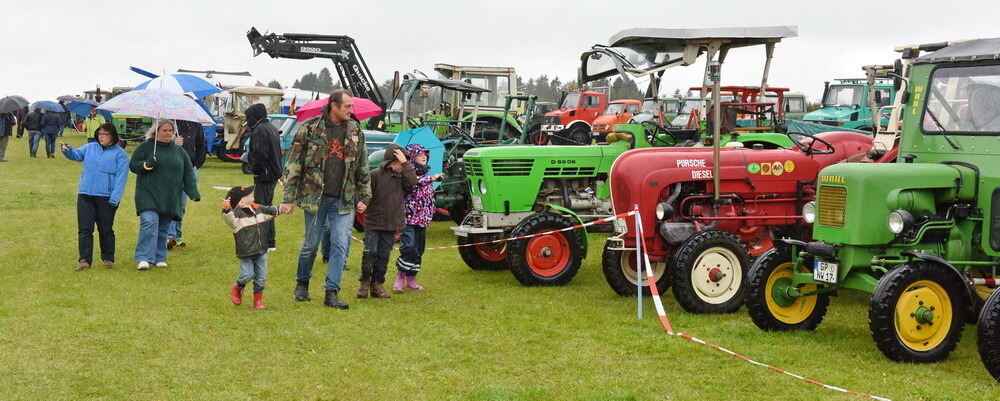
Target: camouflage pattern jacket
(304, 168)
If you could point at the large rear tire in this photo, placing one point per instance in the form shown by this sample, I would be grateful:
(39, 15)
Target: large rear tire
(620, 271)
(578, 135)
(989, 335)
(483, 257)
(918, 312)
(707, 272)
(768, 304)
(550, 260)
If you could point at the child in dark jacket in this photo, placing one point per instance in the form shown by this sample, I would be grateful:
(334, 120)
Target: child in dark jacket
(383, 218)
(247, 221)
(419, 200)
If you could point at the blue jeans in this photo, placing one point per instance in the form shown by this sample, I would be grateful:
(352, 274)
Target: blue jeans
(174, 229)
(34, 137)
(50, 143)
(152, 243)
(340, 241)
(253, 268)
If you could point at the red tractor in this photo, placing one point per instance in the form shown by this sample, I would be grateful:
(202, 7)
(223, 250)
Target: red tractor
(708, 237)
(571, 123)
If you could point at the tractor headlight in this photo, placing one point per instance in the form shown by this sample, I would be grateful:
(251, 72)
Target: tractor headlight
(899, 221)
(664, 211)
(809, 212)
(482, 187)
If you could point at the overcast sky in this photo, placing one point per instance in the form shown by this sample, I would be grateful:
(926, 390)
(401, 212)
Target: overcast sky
(58, 47)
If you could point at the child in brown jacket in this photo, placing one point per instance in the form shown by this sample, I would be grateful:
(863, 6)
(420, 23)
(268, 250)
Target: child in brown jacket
(383, 218)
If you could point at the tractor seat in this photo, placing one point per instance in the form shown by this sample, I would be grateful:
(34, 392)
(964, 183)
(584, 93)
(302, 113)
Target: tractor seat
(618, 136)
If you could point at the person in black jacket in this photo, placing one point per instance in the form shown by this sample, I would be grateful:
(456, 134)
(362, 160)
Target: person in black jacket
(7, 122)
(191, 138)
(263, 161)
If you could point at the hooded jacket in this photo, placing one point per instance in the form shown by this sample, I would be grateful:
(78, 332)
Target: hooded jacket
(385, 211)
(164, 179)
(194, 141)
(265, 145)
(248, 230)
(105, 170)
(51, 123)
(419, 199)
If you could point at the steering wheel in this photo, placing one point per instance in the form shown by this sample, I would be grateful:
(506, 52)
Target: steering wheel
(653, 136)
(810, 149)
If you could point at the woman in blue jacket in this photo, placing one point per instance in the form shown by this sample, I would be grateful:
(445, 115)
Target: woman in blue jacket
(105, 169)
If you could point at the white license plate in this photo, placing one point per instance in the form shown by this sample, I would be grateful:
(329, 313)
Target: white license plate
(621, 227)
(477, 202)
(825, 272)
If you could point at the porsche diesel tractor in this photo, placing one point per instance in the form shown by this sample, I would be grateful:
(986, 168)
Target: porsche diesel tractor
(922, 235)
(518, 190)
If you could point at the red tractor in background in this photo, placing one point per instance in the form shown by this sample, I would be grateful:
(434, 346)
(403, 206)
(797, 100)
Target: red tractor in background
(701, 241)
(571, 123)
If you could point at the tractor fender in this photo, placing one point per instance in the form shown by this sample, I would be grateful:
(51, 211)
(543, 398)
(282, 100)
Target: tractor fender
(575, 122)
(943, 263)
(578, 219)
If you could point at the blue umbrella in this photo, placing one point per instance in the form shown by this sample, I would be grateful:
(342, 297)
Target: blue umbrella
(48, 105)
(425, 137)
(82, 108)
(181, 83)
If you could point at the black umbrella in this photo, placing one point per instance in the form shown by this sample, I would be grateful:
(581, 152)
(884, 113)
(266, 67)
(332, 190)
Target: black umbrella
(12, 103)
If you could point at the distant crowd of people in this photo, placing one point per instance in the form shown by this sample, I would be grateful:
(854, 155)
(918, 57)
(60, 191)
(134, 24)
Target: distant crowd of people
(326, 175)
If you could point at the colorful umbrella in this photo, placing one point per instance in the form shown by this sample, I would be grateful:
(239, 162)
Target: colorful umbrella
(82, 108)
(363, 108)
(157, 103)
(181, 83)
(12, 103)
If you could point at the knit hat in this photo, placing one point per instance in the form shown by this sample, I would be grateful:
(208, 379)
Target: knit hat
(237, 193)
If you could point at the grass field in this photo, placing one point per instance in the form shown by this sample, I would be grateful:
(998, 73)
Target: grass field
(171, 334)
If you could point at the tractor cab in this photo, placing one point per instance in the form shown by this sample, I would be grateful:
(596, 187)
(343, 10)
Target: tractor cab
(234, 121)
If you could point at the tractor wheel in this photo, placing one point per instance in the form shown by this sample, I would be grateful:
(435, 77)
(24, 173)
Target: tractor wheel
(989, 335)
(707, 272)
(620, 272)
(770, 308)
(459, 210)
(539, 138)
(551, 259)
(483, 257)
(578, 135)
(918, 312)
(359, 222)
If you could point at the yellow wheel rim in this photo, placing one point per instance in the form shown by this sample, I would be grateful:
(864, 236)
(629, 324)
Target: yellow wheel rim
(796, 311)
(923, 315)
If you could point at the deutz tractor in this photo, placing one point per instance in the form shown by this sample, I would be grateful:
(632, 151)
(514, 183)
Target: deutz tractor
(922, 235)
(520, 190)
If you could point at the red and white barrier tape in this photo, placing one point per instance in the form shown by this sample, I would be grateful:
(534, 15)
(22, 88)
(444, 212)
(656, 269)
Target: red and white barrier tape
(578, 226)
(665, 321)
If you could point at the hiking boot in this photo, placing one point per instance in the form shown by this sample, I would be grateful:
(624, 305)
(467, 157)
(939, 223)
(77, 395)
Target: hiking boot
(83, 265)
(378, 291)
(180, 243)
(302, 291)
(411, 283)
(109, 264)
(143, 266)
(400, 281)
(332, 300)
(237, 294)
(258, 300)
(170, 243)
(363, 288)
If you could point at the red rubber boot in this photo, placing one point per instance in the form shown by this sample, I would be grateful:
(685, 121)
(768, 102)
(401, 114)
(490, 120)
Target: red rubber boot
(258, 300)
(237, 295)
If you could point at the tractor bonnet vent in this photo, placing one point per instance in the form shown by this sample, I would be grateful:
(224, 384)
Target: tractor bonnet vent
(569, 171)
(473, 168)
(512, 167)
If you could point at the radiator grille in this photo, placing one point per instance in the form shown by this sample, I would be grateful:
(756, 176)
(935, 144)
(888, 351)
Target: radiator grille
(473, 168)
(832, 205)
(512, 167)
(569, 171)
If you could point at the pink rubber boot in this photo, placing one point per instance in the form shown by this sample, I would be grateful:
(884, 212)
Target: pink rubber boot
(397, 285)
(411, 283)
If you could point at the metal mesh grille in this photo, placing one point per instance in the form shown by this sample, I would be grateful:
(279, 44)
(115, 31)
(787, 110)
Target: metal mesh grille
(832, 205)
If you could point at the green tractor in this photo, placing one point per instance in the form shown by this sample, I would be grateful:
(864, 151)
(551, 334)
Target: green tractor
(922, 235)
(521, 190)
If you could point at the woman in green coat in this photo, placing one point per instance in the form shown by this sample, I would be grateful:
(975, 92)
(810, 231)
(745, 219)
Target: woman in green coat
(164, 176)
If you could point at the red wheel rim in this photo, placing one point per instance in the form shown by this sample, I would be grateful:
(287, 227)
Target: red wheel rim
(540, 138)
(548, 255)
(491, 252)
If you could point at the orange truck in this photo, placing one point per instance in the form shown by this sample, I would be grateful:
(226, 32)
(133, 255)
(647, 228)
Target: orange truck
(618, 112)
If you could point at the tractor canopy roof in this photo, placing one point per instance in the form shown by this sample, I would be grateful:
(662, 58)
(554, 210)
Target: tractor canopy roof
(452, 84)
(257, 90)
(643, 51)
(971, 50)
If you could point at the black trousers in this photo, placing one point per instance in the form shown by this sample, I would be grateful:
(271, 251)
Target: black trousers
(90, 210)
(263, 193)
(375, 258)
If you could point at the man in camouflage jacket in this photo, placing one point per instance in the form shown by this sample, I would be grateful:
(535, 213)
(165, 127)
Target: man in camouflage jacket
(326, 174)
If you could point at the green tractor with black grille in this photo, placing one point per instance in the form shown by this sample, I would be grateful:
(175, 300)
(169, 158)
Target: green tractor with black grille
(922, 234)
